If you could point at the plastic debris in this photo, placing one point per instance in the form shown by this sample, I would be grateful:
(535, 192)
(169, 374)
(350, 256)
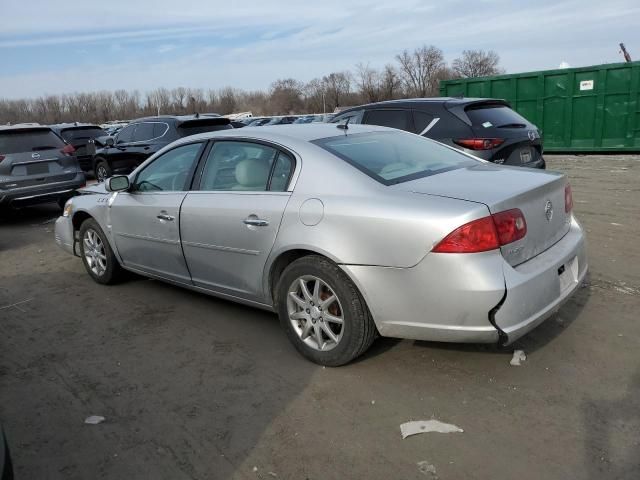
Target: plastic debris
(94, 420)
(427, 469)
(255, 469)
(518, 357)
(424, 426)
(373, 402)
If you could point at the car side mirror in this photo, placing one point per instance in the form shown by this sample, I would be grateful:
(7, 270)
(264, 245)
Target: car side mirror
(109, 142)
(119, 183)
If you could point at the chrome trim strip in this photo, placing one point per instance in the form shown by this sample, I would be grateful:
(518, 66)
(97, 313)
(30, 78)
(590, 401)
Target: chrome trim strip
(41, 195)
(219, 247)
(151, 239)
(430, 126)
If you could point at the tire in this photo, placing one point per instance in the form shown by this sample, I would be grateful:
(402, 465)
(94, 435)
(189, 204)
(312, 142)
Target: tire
(106, 270)
(335, 298)
(102, 170)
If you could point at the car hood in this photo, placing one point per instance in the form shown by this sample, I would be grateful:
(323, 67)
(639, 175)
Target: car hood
(96, 188)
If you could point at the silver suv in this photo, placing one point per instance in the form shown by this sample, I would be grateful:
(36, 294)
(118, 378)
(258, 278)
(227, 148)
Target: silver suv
(36, 166)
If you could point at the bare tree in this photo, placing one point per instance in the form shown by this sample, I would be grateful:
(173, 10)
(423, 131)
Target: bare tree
(369, 82)
(418, 70)
(286, 96)
(477, 63)
(390, 83)
(178, 96)
(337, 86)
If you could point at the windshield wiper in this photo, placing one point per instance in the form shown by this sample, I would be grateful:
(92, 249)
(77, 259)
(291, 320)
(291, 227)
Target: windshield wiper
(512, 125)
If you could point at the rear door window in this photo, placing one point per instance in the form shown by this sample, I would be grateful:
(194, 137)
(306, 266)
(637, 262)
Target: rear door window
(422, 121)
(20, 141)
(400, 119)
(126, 134)
(159, 129)
(143, 132)
(494, 116)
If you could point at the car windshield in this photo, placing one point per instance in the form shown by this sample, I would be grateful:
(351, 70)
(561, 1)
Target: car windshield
(394, 157)
(19, 141)
(81, 133)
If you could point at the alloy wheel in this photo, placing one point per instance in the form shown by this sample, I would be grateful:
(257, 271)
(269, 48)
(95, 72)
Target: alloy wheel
(94, 252)
(315, 313)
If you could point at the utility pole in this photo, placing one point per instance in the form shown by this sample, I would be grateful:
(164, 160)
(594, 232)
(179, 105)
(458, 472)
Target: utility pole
(324, 104)
(627, 57)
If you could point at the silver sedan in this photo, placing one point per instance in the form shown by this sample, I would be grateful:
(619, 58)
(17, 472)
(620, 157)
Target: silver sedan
(347, 232)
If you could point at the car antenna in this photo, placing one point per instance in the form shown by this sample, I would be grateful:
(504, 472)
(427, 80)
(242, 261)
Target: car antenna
(344, 126)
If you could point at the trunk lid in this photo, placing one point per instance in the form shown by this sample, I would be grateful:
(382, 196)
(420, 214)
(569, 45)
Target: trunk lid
(539, 195)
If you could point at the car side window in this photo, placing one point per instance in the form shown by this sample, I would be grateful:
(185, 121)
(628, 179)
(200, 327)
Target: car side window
(354, 117)
(126, 134)
(389, 118)
(159, 129)
(143, 132)
(238, 166)
(170, 171)
(282, 171)
(422, 120)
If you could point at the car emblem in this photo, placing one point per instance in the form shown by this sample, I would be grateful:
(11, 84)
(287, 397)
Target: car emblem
(548, 210)
(532, 135)
(35, 155)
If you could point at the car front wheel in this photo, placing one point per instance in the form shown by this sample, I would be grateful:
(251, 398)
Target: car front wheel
(97, 256)
(102, 170)
(322, 312)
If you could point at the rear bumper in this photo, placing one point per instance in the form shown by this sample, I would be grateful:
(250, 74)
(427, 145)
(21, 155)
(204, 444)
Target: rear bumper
(455, 297)
(33, 195)
(535, 289)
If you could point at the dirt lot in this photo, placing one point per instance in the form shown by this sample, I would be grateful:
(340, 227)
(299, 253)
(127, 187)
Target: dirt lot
(198, 388)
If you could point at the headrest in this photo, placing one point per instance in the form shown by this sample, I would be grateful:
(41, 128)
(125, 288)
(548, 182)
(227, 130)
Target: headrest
(252, 173)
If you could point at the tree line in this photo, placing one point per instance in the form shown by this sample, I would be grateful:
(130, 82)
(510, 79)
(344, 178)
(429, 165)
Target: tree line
(413, 74)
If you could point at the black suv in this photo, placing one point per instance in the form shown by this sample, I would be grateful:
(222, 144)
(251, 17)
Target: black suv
(144, 137)
(36, 166)
(485, 128)
(82, 136)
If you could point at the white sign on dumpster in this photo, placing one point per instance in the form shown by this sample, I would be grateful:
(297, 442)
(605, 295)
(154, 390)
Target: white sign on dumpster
(586, 85)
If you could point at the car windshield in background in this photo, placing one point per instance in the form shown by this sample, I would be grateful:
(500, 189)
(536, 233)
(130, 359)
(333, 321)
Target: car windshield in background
(81, 133)
(19, 141)
(492, 115)
(394, 157)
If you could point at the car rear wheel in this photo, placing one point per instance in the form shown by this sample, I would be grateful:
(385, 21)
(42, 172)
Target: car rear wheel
(102, 170)
(322, 312)
(97, 256)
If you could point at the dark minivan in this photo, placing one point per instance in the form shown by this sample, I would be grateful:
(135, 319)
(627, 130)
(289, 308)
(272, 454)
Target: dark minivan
(36, 166)
(143, 137)
(486, 128)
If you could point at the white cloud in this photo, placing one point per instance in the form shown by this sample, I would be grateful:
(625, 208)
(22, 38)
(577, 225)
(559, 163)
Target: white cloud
(249, 44)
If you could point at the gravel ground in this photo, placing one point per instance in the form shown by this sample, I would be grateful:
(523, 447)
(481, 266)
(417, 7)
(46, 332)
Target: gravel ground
(198, 388)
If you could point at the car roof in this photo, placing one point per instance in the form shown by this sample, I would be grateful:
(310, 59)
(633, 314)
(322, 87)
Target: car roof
(406, 102)
(286, 134)
(179, 118)
(24, 126)
(65, 126)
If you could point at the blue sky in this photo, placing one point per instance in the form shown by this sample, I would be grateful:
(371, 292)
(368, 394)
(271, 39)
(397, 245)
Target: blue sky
(66, 46)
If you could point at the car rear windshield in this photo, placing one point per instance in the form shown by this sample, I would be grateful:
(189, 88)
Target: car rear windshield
(494, 115)
(81, 133)
(19, 141)
(394, 157)
(193, 127)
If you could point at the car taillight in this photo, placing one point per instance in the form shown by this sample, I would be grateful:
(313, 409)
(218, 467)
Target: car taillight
(487, 233)
(479, 143)
(511, 225)
(68, 150)
(568, 199)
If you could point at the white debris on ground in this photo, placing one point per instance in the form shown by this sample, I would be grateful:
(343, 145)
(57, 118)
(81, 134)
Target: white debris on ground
(518, 357)
(425, 426)
(94, 420)
(427, 469)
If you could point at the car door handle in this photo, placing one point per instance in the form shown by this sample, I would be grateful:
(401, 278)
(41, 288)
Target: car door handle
(254, 221)
(164, 216)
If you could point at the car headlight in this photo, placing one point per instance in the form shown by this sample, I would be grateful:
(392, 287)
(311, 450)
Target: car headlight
(68, 208)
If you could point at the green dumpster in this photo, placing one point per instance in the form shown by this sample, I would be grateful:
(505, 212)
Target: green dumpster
(586, 109)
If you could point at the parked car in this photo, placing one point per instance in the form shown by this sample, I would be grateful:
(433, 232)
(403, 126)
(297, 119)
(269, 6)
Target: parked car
(82, 136)
(142, 138)
(313, 118)
(36, 166)
(258, 122)
(346, 232)
(486, 128)
(280, 120)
